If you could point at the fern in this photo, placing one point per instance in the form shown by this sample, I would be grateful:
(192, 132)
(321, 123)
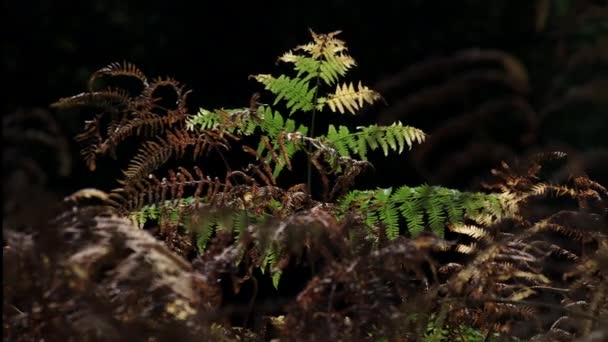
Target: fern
(167, 213)
(420, 206)
(235, 121)
(239, 227)
(243, 121)
(275, 143)
(269, 263)
(319, 67)
(347, 98)
(295, 91)
(250, 215)
(204, 234)
(387, 138)
(326, 60)
(387, 213)
(203, 224)
(438, 332)
(278, 130)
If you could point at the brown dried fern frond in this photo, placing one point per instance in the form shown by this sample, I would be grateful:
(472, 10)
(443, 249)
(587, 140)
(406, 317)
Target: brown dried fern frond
(153, 154)
(528, 260)
(107, 99)
(119, 114)
(118, 69)
(138, 192)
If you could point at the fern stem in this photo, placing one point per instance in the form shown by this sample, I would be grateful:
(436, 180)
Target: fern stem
(312, 135)
(309, 164)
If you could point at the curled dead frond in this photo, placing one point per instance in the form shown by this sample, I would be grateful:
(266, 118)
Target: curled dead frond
(118, 69)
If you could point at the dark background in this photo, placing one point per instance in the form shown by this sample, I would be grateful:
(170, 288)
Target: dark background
(53, 46)
(212, 46)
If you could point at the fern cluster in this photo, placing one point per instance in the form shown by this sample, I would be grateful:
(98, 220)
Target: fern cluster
(365, 248)
(318, 65)
(206, 206)
(325, 59)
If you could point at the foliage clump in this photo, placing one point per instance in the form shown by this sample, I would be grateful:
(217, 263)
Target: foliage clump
(409, 263)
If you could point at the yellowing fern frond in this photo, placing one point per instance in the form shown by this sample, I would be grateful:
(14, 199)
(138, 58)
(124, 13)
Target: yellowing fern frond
(466, 249)
(470, 230)
(522, 294)
(349, 99)
(323, 45)
(542, 189)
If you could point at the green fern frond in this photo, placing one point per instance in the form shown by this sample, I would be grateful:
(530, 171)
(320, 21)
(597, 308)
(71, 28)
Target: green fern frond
(202, 224)
(411, 209)
(435, 209)
(302, 64)
(340, 139)
(240, 121)
(204, 119)
(347, 98)
(270, 123)
(388, 138)
(235, 121)
(305, 66)
(276, 277)
(388, 213)
(140, 217)
(204, 232)
(233, 222)
(268, 260)
(295, 91)
(424, 206)
(273, 122)
(334, 67)
(240, 221)
(278, 129)
(329, 70)
(168, 212)
(269, 264)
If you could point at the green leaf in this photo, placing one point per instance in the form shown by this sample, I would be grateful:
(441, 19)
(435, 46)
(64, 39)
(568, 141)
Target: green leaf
(276, 277)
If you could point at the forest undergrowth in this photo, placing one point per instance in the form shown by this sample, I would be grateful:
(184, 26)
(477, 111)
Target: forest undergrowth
(248, 223)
